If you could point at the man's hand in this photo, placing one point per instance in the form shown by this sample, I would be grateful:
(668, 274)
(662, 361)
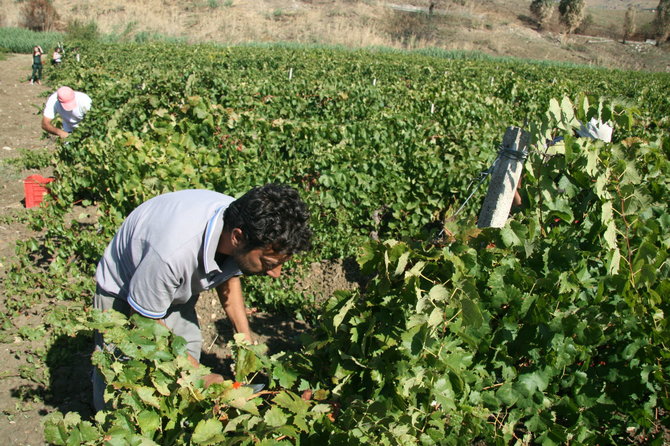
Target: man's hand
(249, 337)
(212, 378)
(516, 201)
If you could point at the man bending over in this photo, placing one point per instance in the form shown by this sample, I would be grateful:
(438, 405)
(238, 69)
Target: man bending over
(176, 245)
(70, 105)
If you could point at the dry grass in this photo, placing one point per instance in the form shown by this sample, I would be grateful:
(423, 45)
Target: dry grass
(497, 27)
(10, 13)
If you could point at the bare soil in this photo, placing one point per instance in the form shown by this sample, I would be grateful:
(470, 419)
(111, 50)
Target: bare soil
(23, 402)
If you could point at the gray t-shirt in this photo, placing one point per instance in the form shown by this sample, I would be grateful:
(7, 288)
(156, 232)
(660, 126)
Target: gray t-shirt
(163, 254)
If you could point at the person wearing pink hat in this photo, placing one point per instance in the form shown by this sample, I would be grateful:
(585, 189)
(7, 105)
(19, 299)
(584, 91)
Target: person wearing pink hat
(70, 105)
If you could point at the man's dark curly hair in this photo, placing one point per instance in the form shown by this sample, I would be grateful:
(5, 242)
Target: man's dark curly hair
(273, 216)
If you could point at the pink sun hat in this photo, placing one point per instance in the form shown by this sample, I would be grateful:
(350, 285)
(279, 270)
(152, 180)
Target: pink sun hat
(66, 98)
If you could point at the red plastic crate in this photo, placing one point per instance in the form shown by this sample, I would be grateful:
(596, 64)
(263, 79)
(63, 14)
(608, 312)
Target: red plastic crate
(34, 189)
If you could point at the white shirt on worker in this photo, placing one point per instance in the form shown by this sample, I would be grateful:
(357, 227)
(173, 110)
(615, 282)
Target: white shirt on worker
(70, 118)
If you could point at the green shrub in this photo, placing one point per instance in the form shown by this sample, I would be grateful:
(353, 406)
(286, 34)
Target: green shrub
(78, 30)
(20, 40)
(407, 27)
(542, 10)
(571, 13)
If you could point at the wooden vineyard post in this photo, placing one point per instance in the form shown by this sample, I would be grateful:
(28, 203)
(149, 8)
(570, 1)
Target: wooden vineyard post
(504, 179)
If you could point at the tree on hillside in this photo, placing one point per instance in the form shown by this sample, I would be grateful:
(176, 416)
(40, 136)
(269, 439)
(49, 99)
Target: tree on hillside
(432, 5)
(542, 10)
(571, 13)
(662, 21)
(629, 22)
(39, 15)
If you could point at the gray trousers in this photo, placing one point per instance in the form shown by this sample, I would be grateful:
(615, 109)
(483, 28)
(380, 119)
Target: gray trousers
(180, 319)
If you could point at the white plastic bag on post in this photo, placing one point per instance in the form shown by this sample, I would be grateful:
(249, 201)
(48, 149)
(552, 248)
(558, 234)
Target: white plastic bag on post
(596, 129)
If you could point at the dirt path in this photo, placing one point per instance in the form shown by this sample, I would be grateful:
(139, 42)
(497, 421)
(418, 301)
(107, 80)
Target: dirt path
(22, 405)
(20, 112)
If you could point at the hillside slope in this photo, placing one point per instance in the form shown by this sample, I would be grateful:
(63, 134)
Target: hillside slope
(496, 27)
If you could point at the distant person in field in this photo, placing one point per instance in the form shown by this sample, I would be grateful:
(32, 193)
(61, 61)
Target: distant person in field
(70, 105)
(36, 76)
(177, 245)
(57, 56)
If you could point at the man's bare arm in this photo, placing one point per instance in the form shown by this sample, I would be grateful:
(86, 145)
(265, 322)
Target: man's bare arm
(232, 301)
(47, 126)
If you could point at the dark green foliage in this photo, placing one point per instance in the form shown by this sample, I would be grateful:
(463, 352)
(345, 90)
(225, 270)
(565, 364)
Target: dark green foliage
(544, 327)
(551, 330)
